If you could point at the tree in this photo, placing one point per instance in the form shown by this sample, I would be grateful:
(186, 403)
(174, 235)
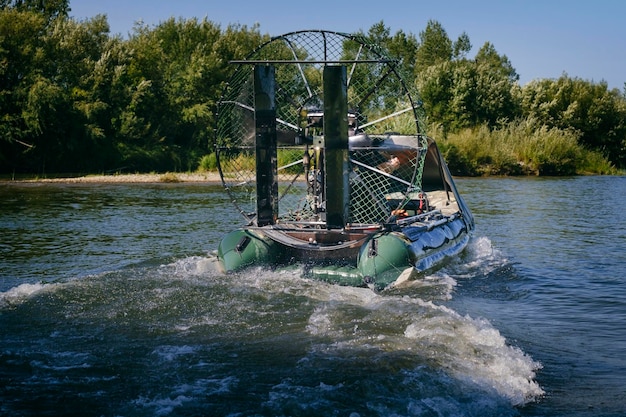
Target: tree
(399, 47)
(461, 47)
(495, 80)
(20, 51)
(58, 93)
(459, 92)
(445, 78)
(73, 98)
(435, 46)
(178, 70)
(488, 57)
(49, 9)
(599, 114)
(435, 84)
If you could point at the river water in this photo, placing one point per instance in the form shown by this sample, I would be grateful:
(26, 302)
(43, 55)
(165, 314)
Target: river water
(111, 305)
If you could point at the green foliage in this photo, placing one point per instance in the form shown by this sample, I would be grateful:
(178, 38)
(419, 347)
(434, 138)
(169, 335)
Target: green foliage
(73, 98)
(460, 93)
(288, 161)
(597, 113)
(20, 51)
(462, 46)
(595, 162)
(435, 46)
(521, 147)
(180, 68)
(208, 163)
(400, 47)
(50, 9)
(464, 93)
(52, 114)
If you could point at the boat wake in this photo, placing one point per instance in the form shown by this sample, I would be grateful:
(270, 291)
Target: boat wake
(271, 341)
(19, 294)
(407, 320)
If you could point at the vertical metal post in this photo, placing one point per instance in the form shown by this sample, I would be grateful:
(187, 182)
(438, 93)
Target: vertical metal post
(336, 146)
(266, 154)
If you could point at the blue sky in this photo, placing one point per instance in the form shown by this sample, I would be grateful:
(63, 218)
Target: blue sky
(542, 39)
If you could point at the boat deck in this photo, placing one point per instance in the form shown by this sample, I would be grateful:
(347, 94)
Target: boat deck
(443, 201)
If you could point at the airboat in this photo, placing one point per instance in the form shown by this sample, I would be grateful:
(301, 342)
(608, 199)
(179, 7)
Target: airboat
(320, 146)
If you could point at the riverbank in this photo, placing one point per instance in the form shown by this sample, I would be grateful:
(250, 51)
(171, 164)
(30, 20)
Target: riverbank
(169, 177)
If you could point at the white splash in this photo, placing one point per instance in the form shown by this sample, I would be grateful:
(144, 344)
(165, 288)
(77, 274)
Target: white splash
(170, 353)
(195, 266)
(481, 254)
(473, 350)
(18, 295)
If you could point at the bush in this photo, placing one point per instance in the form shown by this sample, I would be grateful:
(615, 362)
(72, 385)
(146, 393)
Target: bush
(208, 163)
(522, 147)
(169, 177)
(595, 162)
(287, 156)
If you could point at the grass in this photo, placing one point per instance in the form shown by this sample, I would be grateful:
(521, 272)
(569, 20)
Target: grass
(246, 161)
(169, 177)
(519, 148)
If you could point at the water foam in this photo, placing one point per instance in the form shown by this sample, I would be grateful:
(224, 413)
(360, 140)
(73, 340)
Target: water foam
(474, 350)
(162, 406)
(195, 266)
(170, 353)
(183, 394)
(479, 256)
(22, 293)
(470, 350)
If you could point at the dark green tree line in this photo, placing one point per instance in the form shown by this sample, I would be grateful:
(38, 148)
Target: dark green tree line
(592, 109)
(178, 70)
(48, 9)
(461, 92)
(74, 98)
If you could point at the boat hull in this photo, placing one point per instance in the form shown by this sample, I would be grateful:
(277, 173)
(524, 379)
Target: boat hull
(377, 259)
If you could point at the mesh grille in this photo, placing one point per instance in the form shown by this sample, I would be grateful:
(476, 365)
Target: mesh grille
(384, 168)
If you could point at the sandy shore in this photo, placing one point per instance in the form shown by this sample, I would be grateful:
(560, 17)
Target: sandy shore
(131, 178)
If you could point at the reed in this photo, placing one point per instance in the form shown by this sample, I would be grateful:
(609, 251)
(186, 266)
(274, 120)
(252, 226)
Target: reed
(285, 156)
(521, 147)
(208, 163)
(169, 177)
